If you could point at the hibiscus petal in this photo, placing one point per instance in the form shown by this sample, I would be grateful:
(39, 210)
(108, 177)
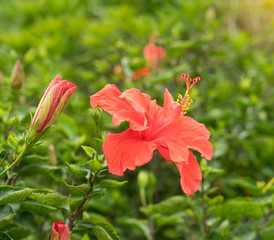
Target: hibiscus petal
(193, 134)
(137, 99)
(136, 119)
(172, 149)
(171, 109)
(191, 175)
(126, 150)
(108, 99)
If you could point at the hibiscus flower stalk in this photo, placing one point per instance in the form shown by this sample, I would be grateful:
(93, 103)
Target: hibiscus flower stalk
(152, 127)
(96, 115)
(50, 107)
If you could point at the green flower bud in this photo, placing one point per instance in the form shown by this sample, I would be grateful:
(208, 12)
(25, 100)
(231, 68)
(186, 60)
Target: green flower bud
(143, 179)
(17, 76)
(96, 114)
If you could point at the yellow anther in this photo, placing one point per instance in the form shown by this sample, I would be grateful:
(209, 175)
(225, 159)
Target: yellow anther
(187, 104)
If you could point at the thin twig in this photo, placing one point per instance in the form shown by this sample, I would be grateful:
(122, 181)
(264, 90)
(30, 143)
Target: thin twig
(206, 230)
(4, 158)
(75, 215)
(266, 218)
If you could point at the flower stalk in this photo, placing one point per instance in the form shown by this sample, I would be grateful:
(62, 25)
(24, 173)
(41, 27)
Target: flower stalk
(17, 160)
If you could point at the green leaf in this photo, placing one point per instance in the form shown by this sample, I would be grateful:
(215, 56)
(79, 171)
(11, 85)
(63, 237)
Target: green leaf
(233, 209)
(95, 165)
(171, 205)
(79, 190)
(32, 206)
(267, 233)
(101, 233)
(9, 194)
(35, 159)
(110, 183)
(39, 169)
(110, 230)
(98, 219)
(85, 237)
(17, 231)
(89, 151)
(4, 236)
(98, 192)
(48, 198)
(163, 220)
(6, 216)
(76, 170)
(12, 141)
(140, 225)
(216, 200)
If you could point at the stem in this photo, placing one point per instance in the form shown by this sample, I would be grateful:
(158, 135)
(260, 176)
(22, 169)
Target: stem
(149, 217)
(25, 148)
(4, 158)
(75, 215)
(206, 230)
(266, 218)
(97, 136)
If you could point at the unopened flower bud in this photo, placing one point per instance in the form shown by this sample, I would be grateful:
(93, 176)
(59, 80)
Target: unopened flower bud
(50, 107)
(96, 114)
(143, 179)
(17, 76)
(60, 231)
(52, 155)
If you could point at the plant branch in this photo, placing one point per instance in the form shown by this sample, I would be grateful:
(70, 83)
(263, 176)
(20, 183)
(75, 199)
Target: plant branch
(25, 148)
(266, 218)
(4, 158)
(75, 215)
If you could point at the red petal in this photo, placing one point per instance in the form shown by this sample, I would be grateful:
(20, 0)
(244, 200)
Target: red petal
(126, 150)
(194, 134)
(60, 231)
(191, 175)
(172, 149)
(108, 99)
(137, 99)
(171, 109)
(136, 119)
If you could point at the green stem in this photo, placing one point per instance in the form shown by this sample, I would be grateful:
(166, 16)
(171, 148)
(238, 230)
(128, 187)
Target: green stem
(143, 196)
(25, 148)
(97, 136)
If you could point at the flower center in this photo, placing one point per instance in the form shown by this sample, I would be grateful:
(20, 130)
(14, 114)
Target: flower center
(186, 100)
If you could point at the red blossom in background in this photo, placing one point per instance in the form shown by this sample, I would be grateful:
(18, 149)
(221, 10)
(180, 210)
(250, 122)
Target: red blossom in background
(153, 127)
(52, 103)
(60, 231)
(153, 55)
(140, 73)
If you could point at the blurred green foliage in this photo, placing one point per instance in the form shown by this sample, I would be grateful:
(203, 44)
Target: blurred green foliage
(229, 44)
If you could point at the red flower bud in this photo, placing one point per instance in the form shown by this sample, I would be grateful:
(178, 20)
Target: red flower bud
(52, 103)
(60, 231)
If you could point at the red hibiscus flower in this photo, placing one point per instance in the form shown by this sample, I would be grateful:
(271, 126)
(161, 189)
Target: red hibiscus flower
(153, 127)
(153, 55)
(60, 231)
